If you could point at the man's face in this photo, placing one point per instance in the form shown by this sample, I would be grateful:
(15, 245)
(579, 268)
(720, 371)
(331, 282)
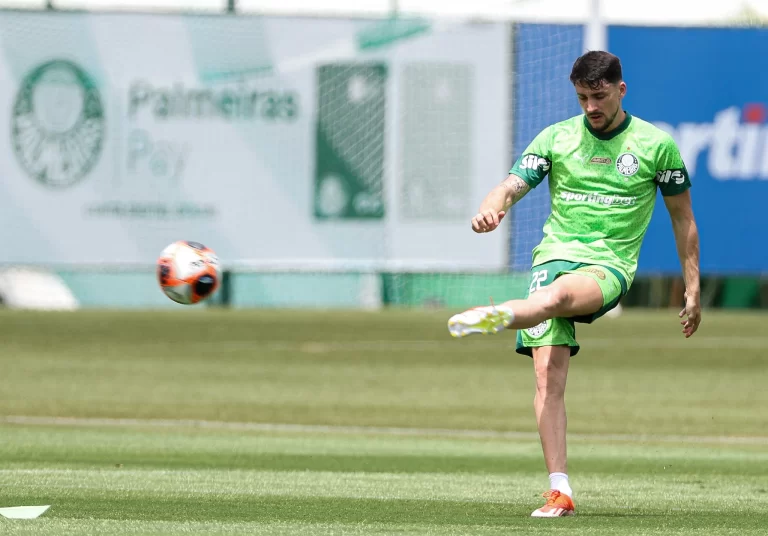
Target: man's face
(601, 105)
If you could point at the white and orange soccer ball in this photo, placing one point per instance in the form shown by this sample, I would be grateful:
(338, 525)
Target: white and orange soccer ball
(188, 272)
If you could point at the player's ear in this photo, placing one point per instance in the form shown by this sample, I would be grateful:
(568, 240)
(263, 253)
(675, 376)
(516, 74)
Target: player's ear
(622, 89)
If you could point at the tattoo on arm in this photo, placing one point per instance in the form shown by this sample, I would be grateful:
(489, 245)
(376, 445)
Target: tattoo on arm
(516, 188)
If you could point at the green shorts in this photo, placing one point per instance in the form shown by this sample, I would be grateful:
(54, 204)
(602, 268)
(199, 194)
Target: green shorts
(562, 331)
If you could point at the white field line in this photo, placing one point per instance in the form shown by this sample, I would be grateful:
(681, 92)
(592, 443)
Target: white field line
(369, 430)
(499, 342)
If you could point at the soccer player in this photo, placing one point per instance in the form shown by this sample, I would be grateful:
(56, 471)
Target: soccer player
(604, 168)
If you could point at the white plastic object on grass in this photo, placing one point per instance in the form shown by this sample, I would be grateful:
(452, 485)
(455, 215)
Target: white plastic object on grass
(23, 512)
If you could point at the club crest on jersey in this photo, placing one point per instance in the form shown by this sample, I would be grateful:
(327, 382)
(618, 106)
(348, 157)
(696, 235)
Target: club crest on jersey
(627, 164)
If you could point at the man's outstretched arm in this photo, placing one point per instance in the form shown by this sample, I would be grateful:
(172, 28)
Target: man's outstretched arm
(494, 206)
(687, 241)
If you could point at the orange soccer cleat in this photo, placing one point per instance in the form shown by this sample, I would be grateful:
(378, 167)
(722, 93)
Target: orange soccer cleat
(558, 505)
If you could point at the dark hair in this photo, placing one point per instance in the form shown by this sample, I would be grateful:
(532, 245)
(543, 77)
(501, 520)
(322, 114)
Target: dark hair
(594, 67)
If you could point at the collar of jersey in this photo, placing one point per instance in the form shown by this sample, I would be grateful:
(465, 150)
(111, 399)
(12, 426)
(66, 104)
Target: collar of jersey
(613, 133)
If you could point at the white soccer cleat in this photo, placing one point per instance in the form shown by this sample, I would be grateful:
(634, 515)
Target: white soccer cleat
(558, 505)
(483, 320)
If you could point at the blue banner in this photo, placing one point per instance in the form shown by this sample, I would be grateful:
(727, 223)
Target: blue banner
(709, 89)
(543, 94)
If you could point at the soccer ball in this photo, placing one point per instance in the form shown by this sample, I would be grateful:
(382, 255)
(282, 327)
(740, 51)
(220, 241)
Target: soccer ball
(188, 272)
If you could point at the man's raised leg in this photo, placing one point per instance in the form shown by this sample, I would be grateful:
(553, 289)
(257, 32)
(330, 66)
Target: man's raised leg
(569, 295)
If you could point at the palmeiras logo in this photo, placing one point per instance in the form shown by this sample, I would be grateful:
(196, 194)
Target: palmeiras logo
(627, 164)
(538, 330)
(57, 127)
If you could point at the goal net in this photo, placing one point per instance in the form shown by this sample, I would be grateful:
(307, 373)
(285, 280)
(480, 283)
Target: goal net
(407, 149)
(328, 162)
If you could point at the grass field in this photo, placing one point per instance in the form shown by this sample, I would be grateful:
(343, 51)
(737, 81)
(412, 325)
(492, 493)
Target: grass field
(231, 422)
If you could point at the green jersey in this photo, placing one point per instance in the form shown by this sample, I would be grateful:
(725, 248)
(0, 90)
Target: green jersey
(602, 187)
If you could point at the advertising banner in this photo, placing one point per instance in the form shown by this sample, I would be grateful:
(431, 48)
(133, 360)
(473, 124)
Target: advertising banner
(704, 87)
(267, 139)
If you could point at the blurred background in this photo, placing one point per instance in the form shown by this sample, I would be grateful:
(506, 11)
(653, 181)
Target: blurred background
(333, 153)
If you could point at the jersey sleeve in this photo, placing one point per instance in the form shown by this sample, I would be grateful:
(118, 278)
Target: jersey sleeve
(536, 161)
(671, 175)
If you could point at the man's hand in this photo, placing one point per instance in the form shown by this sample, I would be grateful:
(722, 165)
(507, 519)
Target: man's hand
(693, 312)
(487, 221)
(495, 205)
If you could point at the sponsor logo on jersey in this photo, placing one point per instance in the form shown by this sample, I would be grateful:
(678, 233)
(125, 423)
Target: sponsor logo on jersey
(534, 161)
(601, 160)
(732, 144)
(538, 330)
(599, 199)
(627, 164)
(670, 176)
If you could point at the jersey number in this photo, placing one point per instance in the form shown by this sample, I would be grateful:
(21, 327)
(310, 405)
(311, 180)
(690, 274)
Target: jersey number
(538, 278)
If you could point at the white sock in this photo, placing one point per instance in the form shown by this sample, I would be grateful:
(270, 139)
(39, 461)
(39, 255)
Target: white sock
(559, 481)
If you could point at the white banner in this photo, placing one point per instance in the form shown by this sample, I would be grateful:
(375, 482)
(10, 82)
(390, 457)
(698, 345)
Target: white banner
(267, 139)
